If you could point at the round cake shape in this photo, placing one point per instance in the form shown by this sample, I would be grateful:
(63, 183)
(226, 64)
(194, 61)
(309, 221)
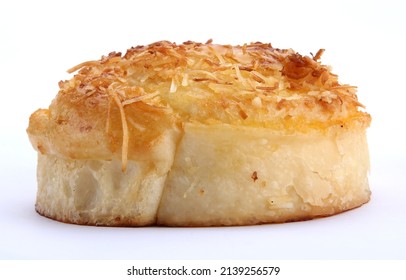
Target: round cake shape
(201, 135)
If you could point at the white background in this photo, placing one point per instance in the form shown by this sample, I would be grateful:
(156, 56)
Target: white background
(364, 41)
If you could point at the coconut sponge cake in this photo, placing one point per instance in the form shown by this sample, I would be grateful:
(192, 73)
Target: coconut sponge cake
(199, 134)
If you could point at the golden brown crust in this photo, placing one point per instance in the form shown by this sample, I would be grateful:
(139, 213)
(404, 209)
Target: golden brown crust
(112, 100)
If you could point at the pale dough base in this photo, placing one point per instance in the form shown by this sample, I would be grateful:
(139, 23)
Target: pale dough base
(216, 175)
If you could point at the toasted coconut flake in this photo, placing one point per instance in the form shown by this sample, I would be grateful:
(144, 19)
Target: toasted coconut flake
(344, 87)
(204, 80)
(267, 88)
(81, 65)
(240, 77)
(219, 56)
(124, 147)
(205, 73)
(140, 98)
(185, 79)
(318, 54)
(174, 86)
(258, 77)
(242, 111)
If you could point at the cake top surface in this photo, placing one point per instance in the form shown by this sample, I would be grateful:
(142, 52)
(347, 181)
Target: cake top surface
(254, 84)
(123, 104)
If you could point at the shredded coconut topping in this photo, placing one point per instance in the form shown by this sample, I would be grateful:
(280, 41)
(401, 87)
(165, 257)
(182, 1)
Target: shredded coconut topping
(253, 84)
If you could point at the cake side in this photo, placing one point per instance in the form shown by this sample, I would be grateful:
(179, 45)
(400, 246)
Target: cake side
(97, 192)
(226, 175)
(220, 175)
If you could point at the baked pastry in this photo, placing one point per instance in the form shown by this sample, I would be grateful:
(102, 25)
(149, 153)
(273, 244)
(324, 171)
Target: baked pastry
(199, 134)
